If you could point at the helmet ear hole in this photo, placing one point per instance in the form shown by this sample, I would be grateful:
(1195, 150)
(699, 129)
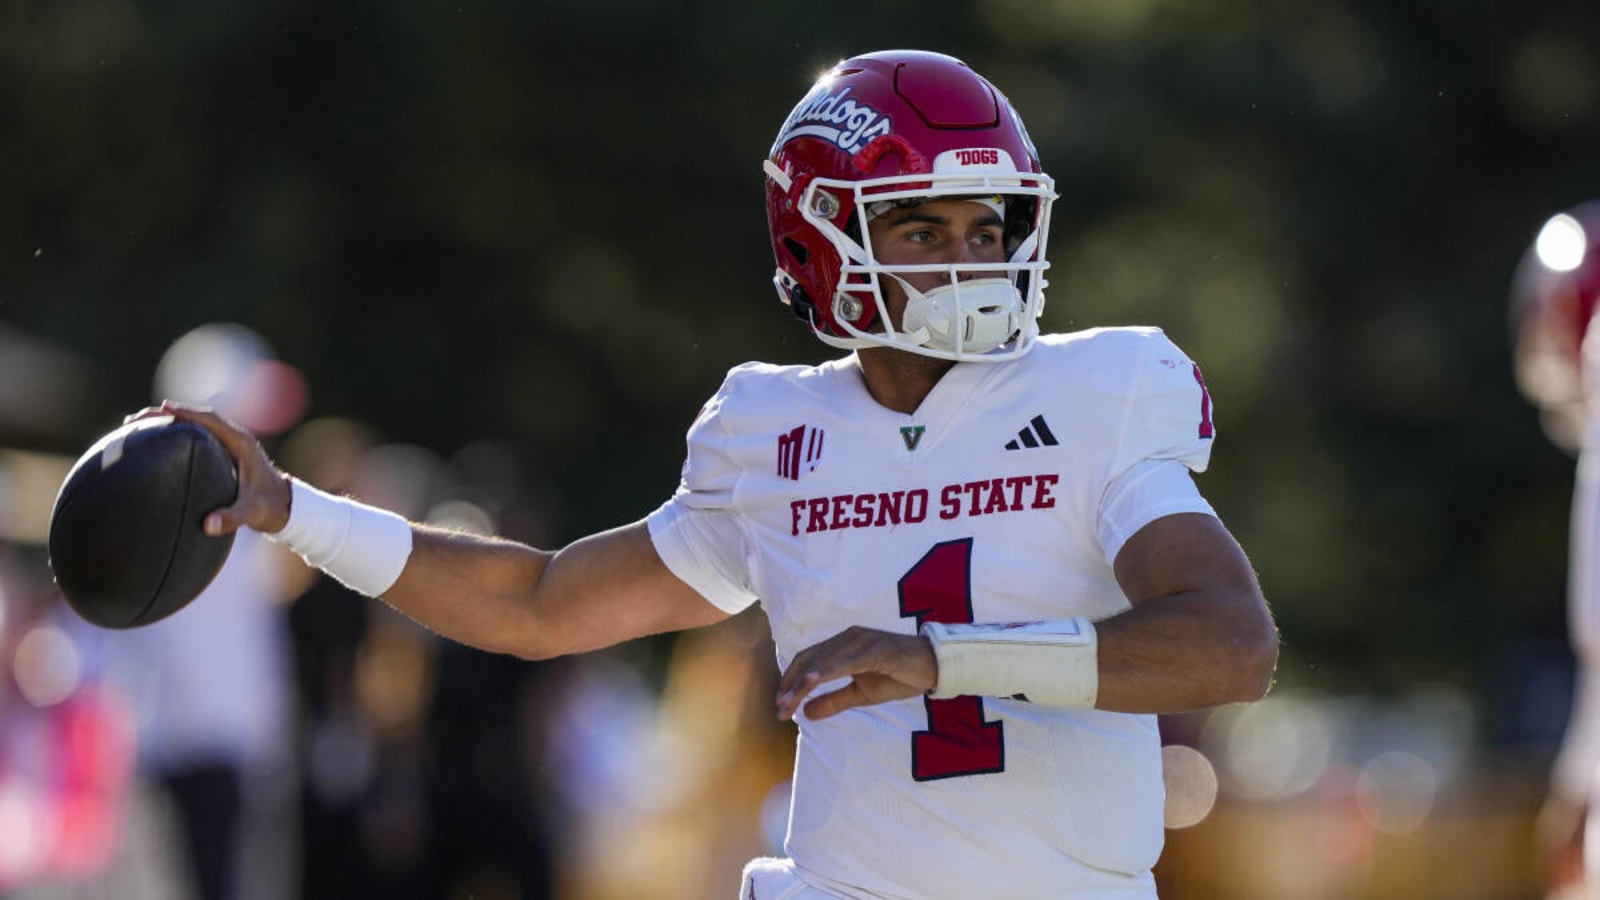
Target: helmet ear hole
(797, 250)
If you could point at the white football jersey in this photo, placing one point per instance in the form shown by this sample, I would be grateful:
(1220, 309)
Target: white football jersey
(1003, 498)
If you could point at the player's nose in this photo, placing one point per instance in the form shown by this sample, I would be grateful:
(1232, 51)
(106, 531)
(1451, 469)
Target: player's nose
(977, 251)
(977, 256)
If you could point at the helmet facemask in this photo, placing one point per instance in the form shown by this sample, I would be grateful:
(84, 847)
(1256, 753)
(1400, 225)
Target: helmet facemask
(985, 311)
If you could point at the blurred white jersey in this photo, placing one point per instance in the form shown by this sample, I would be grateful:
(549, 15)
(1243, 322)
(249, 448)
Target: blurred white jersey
(1003, 498)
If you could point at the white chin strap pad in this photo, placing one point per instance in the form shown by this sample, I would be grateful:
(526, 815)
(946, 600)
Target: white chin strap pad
(970, 316)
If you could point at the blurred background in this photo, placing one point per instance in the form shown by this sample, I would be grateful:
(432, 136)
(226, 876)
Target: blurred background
(482, 261)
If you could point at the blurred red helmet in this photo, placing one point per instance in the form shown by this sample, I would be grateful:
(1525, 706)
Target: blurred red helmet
(897, 128)
(1554, 294)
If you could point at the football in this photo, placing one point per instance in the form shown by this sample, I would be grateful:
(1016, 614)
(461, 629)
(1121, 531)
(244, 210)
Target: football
(126, 543)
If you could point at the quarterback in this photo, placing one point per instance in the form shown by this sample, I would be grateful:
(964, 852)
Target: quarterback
(981, 551)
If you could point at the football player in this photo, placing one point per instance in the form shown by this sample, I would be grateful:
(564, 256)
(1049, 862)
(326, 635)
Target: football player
(983, 558)
(1555, 290)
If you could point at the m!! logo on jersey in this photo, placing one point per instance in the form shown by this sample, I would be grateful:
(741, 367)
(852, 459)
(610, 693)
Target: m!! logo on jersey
(799, 450)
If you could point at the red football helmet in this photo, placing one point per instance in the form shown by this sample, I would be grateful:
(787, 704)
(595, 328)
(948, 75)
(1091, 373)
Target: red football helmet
(895, 128)
(1554, 295)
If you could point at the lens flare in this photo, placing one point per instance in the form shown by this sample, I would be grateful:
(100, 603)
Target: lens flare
(1561, 244)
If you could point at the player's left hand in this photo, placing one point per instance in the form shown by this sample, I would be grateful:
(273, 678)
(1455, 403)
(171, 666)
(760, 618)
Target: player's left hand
(881, 666)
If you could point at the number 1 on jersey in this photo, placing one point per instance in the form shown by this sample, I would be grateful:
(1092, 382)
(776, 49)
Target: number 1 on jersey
(958, 740)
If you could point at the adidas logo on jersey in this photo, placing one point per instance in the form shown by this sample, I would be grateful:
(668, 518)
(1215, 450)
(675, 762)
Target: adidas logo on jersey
(799, 446)
(1035, 434)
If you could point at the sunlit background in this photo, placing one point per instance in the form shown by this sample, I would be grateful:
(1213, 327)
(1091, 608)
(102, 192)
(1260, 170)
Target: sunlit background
(483, 261)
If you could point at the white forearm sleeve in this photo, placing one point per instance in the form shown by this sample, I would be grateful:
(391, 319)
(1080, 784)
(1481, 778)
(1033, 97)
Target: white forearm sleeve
(364, 547)
(1051, 663)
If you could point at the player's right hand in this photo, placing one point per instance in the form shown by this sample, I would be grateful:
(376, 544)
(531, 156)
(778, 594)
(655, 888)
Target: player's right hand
(263, 499)
(881, 665)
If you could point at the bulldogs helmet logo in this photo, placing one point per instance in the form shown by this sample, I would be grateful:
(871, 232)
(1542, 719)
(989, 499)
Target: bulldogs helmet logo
(835, 117)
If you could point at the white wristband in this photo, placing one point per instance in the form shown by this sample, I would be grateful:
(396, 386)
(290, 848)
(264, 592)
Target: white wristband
(364, 547)
(1052, 663)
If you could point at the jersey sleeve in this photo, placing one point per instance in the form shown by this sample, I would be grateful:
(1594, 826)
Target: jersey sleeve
(1151, 489)
(698, 532)
(1166, 434)
(1168, 413)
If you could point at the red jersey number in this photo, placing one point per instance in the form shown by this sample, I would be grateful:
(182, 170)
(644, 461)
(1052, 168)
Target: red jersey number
(958, 741)
(1206, 428)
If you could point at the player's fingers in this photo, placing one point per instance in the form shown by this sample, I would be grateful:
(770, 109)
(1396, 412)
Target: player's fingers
(145, 413)
(238, 442)
(792, 675)
(823, 662)
(263, 500)
(834, 702)
(262, 504)
(851, 653)
(223, 521)
(835, 654)
(802, 663)
(866, 689)
(789, 699)
(846, 658)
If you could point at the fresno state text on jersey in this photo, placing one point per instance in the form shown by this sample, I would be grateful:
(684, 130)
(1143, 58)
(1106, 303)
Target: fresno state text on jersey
(879, 509)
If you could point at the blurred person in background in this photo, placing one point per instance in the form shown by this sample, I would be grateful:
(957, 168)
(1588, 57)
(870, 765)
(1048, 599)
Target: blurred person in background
(1554, 296)
(66, 752)
(360, 807)
(212, 686)
(389, 713)
(984, 560)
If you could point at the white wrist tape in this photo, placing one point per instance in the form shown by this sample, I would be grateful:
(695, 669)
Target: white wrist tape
(1051, 663)
(364, 547)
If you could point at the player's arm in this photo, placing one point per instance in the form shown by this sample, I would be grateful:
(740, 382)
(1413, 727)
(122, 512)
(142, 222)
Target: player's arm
(490, 593)
(507, 597)
(1198, 634)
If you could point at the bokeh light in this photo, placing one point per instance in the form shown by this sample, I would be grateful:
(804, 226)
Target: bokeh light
(1273, 750)
(1191, 783)
(1560, 245)
(24, 830)
(47, 666)
(232, 368)
(1395, 791)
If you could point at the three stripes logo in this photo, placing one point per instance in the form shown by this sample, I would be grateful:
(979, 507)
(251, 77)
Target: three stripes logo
(799, 446)
(1035, 434)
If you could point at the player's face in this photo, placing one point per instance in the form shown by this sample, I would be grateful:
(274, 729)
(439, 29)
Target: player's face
(936, 232)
